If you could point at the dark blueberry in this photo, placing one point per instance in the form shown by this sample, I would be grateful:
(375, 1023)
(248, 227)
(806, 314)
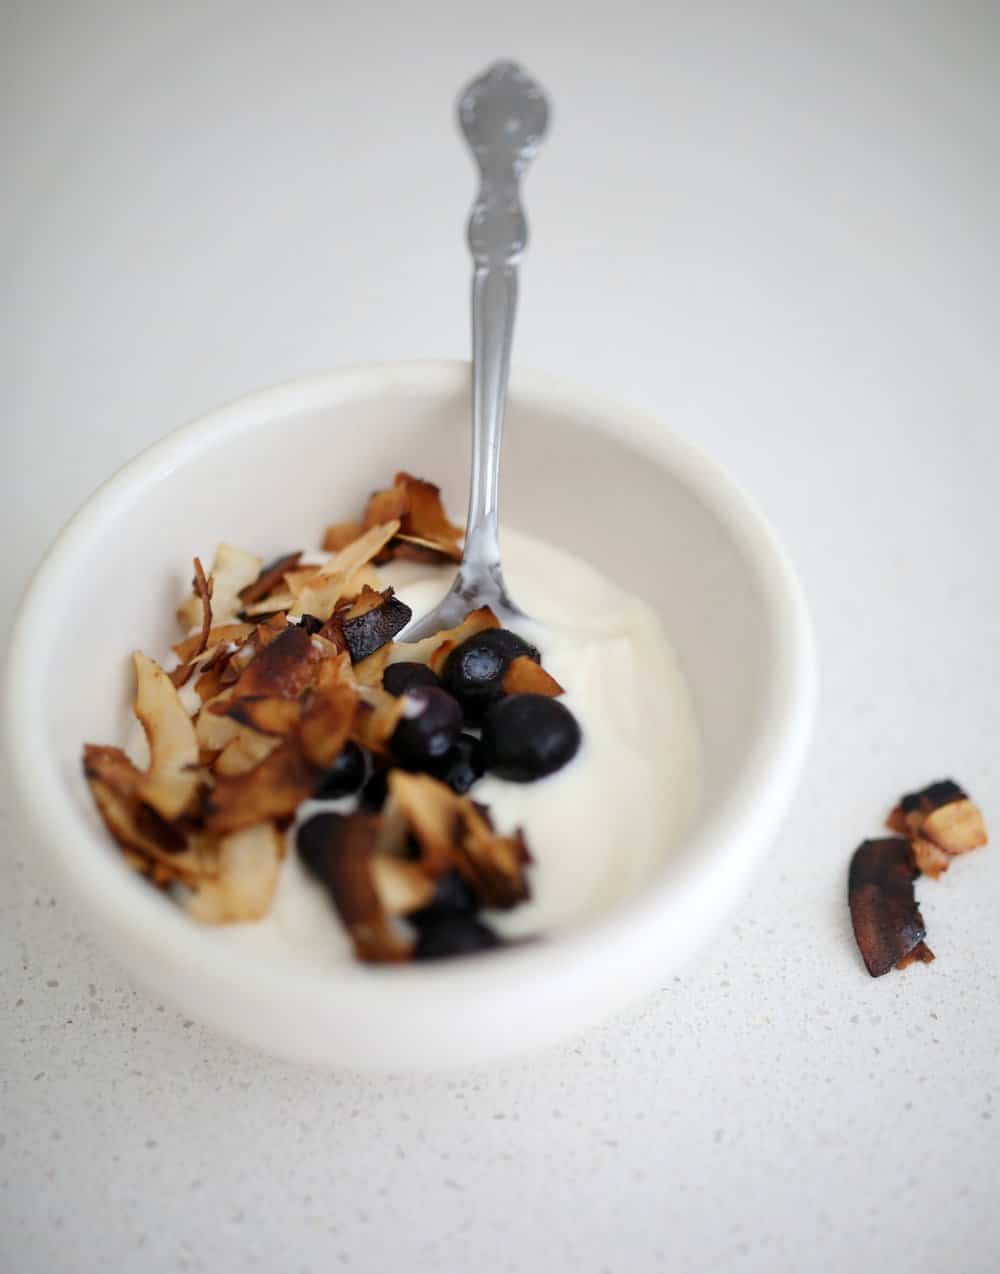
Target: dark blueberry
(398, 678)
(510, 644)
(474, 671)
(429, 726)
(452, 933)
(375, 791)
(347, 773)
(462, 764)
(526, 737)
(451, 894)
(311, 624)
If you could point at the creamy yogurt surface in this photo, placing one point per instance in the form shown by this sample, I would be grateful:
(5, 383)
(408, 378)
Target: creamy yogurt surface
(599, 827)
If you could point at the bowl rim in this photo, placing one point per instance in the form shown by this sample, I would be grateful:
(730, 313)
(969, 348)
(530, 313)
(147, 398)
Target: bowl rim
(727, 843)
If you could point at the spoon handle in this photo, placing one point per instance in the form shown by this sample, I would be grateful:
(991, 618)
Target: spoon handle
(494, 300)
(503, 115)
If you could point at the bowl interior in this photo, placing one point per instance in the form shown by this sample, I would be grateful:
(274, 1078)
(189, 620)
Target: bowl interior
(274, 483)
(268, 473)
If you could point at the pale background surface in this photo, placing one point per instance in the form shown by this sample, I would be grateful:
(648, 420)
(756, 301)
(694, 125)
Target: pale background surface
(776, 226)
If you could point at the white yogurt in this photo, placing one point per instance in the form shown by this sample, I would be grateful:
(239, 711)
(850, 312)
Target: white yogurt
(600, 826)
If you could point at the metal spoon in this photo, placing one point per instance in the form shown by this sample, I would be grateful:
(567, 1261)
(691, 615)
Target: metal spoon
(503, 115)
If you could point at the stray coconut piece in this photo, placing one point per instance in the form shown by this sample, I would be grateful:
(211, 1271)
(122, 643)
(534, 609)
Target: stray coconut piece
(232, 570)
(888, 926)
(941, 822)
(170, 782)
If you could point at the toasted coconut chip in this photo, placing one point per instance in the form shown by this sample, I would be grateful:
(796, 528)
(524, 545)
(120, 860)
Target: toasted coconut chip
(220, 635)
(334, 667)
(524, 676)
(422, 519)
(115, 784)
(339, 851)
(409, 548)
(887, 922)
(338, 535)
(273, 605)
(394, 831)
(270, 629)
(431, 810)
(215, 732)
(921, 954)
(373, 620)
(956, 827)
(390, 505)
(327, 721)
(244, 752)
(203, 592)
(123, 820)
(322, 593)
(401, 886)
(271, 790)
(941, 821)
(492, 865)
(367, 600)
(269, 578)
(358, 581)
(369, 671)
(319, 596)
(232, 570)
(283, 669)
(426, 518)
(929, 859)
(267, 715)
(247, 878)
(453, 832)
(333, 632)
(229, 665)
(295, 581)
(376, 719)
(429, 650)
(170, 783)
(211, 683)
(112, 766)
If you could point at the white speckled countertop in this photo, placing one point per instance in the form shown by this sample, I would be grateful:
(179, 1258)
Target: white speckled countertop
(773, 224)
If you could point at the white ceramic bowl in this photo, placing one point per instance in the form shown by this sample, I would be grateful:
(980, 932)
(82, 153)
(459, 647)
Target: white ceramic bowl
(268, 472)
